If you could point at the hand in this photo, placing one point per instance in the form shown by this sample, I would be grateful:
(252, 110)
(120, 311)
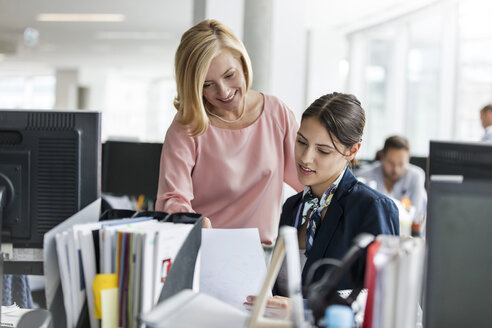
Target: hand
(206, 224)
(273, 302)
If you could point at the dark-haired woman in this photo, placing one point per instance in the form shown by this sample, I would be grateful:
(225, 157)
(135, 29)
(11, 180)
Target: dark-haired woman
(334, 206)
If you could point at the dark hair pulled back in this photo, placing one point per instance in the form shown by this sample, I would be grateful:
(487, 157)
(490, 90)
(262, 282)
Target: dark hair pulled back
(342, 116)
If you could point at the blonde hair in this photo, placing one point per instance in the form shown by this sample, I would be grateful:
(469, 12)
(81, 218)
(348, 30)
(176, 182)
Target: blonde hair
(198, 47)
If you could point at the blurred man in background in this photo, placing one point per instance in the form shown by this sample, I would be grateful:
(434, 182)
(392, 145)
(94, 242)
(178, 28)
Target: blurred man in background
(486, 118)
(394, 176)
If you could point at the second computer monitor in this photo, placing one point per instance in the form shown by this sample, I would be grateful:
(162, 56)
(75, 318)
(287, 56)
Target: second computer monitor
(472, 160)
(131, 168)
(459, 261)
(49, 170)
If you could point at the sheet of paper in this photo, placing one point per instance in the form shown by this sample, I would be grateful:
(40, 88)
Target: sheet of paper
(409, 281)
(184, 272)
(120, 202)
(232, 264)
(109, 308)
(51, 271)
(189, 309)
(170, 237)
(89, 268)
(11, 315)
(62, 255)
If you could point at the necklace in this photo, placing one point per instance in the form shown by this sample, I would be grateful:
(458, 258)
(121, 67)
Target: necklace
(229, 121)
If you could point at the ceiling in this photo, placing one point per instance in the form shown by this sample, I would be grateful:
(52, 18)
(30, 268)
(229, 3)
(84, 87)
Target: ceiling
(149, 35)
(150, 32)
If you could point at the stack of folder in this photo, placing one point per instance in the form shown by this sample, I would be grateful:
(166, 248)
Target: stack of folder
(394, 275)
(112, 273)
(117, 267)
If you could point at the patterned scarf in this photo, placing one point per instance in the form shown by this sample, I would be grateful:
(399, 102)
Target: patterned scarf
(314, 206)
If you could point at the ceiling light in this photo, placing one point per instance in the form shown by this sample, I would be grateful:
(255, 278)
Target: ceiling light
(81, 17)
(133, 36)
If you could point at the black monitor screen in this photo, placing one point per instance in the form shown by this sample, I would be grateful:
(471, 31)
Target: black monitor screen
(131, 168)
(49, 169)
(470, 160)
(459, 260)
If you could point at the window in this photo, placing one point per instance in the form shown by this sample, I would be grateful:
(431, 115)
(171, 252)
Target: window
(425, 75)
(22, 92)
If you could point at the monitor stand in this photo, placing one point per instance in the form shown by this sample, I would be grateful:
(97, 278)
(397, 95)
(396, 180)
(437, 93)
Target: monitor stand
(19, 261)
(22, 260)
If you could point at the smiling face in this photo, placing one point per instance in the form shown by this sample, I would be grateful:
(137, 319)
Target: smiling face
(318, 161)
(225, 86)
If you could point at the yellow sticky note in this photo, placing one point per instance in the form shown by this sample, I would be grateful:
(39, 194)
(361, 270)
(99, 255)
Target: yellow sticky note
(102, 281)
(109, 308)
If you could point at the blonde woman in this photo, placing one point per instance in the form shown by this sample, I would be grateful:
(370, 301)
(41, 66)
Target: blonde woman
(229, 148)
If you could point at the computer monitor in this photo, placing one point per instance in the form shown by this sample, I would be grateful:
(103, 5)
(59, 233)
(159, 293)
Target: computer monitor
(419, 161)
(472, 160)
(131, 168)
(49, 170)
(459, 262)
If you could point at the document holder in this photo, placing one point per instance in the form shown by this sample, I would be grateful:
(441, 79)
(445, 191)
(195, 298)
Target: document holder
(286, 247)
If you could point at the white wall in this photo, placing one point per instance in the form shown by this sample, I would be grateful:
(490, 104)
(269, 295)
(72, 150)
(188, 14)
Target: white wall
(288, 72)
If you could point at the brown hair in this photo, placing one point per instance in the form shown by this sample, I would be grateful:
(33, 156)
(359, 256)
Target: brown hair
(396, 142)
(198, 47)
(342, 116)
(486, 108)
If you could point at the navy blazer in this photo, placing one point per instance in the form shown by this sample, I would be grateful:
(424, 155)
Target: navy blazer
(354, 208)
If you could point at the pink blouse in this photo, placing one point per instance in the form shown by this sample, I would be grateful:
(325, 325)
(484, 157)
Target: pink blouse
(233, 177)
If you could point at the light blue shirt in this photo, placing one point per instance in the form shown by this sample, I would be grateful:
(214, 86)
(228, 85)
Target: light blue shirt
(487, 137)
(411, 184)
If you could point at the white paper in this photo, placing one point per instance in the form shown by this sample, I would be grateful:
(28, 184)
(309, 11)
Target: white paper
(51, 271)
(11, 315)
(120, 202)
(410, 275)
(189, 309)
(170, 237)
(89, 266)
(232, 264)
(62, 255)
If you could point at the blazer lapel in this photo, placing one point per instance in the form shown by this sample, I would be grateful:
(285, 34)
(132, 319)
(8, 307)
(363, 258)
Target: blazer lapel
(330, 222)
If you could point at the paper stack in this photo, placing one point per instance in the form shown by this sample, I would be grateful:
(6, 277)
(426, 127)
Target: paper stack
(130, 257)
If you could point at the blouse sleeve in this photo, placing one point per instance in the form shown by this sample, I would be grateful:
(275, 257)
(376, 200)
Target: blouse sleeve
(290, 169)
(175, 189)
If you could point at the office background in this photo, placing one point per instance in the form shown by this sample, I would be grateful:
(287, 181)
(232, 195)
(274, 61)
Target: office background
(422, 69)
